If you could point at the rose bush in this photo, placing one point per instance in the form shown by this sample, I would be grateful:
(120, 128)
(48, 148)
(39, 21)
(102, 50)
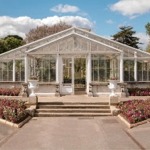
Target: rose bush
(135, 111)
(139, 91)
(10, 91)
(12, 110)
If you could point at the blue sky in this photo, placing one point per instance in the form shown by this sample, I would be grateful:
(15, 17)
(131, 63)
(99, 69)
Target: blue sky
(103, 16)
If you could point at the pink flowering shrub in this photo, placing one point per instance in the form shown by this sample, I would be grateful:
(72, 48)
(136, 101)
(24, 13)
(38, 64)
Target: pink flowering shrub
(139, 91)
(135, 111)
(9, 91)
(12, 110)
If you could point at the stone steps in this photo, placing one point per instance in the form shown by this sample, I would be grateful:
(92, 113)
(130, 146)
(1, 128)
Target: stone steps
(73, 103)
(72, 106)
(67, 110)
(71, 114)
(60, 109)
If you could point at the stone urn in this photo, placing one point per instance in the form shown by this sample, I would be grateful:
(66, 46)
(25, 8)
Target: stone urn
(112, 86)
(33, 84)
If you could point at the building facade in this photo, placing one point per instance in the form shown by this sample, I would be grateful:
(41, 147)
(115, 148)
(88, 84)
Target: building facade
(75, 61)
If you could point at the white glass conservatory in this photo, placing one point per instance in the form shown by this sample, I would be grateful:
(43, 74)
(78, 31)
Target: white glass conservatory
(75, 61)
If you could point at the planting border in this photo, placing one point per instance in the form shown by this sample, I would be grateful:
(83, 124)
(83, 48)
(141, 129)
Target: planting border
(19, 125)
(132, 125)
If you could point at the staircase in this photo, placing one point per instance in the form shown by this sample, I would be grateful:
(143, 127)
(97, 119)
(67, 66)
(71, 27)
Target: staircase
(78, 109)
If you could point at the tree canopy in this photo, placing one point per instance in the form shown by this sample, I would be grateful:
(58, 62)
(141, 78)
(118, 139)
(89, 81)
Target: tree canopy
(43, 31)
(147, 26)
(126, 36)
(10, 42)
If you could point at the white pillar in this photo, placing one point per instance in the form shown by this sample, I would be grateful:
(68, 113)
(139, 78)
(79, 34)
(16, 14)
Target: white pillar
(135, 66)
(26, 68)
(88, 72)
(72, 74)
(112, 68)
(57, 68)
(14, 70)
(121, 67)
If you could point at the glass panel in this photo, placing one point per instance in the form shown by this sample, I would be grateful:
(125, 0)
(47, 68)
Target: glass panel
(79, 74)
(1, 72)
(128, 70)
(100, 68)
(19, 70)
(143, 71)
(6, 71)
(53, 69)
(46, 68)
(10, 71)
(67, 74)
(139, 71)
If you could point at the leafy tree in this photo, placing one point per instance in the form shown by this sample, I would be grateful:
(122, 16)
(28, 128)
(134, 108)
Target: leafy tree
(14, 36)
(125, 36)
(147, 26)
(13, 42)
(148, 48)
(10, 42)
(2, 46)
(43, 31)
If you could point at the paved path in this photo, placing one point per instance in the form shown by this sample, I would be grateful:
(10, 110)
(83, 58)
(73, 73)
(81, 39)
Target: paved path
(6, 132)
(142, 134)
(99, 133)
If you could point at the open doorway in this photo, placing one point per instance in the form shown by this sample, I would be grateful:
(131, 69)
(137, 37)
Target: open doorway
(80, 76)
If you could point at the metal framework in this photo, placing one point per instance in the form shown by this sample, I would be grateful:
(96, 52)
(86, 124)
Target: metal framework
(75, 42)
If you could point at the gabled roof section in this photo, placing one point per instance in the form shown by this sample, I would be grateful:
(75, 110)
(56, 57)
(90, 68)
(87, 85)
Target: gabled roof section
(73, 43)
(128, 51)
(73, 32)
(21, 51)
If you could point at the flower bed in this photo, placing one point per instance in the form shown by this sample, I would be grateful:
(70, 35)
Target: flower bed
(12, 110)
(139, 91)
(9, 91)
(135, 111)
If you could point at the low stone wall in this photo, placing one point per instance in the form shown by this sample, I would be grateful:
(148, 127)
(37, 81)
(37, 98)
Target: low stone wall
(46, 89)
(101, 88)
(96, 88)
(10, 84)
(43, 89)
(138, 84)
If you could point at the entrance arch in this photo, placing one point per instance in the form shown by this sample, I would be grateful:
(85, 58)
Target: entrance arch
(73, 74)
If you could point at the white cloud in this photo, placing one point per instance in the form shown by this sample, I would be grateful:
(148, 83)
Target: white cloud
(22, 25)
(144, 39)
(65, 8)
(109, 21)
(131, 8)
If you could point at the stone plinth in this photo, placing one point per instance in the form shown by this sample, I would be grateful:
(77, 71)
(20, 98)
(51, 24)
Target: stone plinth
(33, 100)
(113, 100)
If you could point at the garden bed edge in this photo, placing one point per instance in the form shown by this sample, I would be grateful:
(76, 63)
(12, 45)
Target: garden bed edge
(19, 125)
(132, 125)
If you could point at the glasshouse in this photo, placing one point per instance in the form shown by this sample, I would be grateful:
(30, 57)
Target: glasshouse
(75, 61)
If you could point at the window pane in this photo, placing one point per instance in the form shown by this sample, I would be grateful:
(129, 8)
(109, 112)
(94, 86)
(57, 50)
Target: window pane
(143, 71)
(67, 70)
(6, 71)
(128, 70)
(19, 70)
(100, 68)
(45, 68)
